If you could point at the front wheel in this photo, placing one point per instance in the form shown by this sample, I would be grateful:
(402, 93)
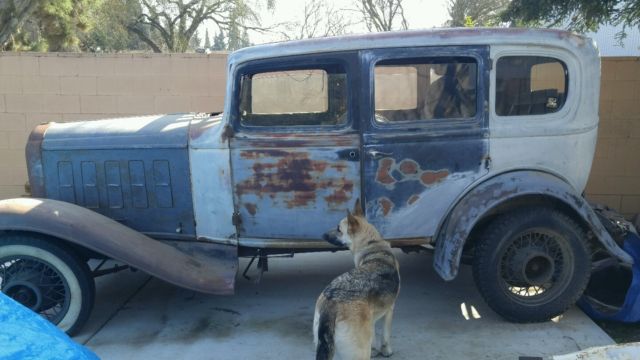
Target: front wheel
(532, 264)
(47, 279)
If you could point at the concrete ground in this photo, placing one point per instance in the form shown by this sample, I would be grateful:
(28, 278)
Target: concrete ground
(138, 317)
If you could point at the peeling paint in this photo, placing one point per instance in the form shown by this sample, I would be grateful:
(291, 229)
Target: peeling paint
(383, 175)
(386, 205)
(431, 177)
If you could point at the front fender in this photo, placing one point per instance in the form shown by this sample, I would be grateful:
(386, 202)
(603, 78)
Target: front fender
(201, 268)
(452, 236)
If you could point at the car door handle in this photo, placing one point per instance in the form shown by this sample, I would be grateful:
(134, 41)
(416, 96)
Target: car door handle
(378, 154)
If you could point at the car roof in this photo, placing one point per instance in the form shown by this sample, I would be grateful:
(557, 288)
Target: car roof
(415, 38)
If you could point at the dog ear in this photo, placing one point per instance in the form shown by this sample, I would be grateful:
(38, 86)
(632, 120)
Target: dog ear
(357, 208)
(352, 222)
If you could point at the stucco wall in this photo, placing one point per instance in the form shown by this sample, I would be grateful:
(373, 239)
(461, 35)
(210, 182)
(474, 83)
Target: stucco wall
(36, 88)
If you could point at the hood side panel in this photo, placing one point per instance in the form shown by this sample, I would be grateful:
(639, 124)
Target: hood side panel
(148, 190)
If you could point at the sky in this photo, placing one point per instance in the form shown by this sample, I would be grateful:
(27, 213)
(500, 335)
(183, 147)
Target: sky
(419, 14)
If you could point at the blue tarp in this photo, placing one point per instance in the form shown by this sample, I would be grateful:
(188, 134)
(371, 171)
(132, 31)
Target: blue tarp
(630, 309)
(26, 335)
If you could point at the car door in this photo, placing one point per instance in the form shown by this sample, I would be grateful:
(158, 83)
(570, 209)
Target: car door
(295, 152)
(426, 134)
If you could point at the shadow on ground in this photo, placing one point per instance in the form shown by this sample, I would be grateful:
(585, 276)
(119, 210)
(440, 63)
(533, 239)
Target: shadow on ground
(139, 317)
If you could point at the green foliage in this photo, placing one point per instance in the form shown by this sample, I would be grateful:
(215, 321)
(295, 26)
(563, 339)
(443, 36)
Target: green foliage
(62, 22)
(195, 41)
(469, 21)
(473, 13)
(54, 25)
(13, 16)
(218, 42)
(577, 15)
(110, 33)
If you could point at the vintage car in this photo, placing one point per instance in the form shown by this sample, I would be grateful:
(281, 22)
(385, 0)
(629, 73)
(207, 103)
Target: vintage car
(475, 144)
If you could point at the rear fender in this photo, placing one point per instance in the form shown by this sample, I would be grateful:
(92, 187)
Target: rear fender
(204, 267)
(482, 199)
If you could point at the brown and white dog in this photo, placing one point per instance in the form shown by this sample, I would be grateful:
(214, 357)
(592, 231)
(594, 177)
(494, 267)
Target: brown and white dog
(347, 309)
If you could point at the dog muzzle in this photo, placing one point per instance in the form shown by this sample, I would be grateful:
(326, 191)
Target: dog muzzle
(332, 238)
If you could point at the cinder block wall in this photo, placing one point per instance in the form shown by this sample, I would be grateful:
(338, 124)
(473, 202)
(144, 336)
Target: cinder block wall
(615, 176)
(41, 87)
(36, 88)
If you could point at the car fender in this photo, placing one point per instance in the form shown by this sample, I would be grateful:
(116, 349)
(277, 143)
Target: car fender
(204, 267)
(488, 195)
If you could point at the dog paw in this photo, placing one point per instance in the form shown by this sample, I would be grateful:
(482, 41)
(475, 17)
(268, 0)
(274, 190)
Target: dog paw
(375, 352)
(386, 351)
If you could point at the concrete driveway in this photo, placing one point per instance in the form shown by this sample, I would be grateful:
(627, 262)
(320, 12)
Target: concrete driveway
(138, 317)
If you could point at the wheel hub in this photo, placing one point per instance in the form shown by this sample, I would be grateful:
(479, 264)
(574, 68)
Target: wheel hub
(532, 267)
(33, 284)
(24, 292)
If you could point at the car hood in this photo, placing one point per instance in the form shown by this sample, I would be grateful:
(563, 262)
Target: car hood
(144, 132)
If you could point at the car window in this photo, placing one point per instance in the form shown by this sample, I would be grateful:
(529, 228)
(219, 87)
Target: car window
(294, 98)
(425, 89)
(530, 85)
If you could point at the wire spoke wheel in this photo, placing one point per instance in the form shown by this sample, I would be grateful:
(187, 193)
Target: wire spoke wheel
(537, 265)
(47, 277)
(36, 285)
(531, 264)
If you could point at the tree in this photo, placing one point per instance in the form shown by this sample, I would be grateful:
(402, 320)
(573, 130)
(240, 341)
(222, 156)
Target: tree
(207, 42)
(13, 14)
(471, 13)
(59, 23)
(218, 42)
(383, 15)
(577, 15)
(319, 20)
(195, 41)
(176, 21)
(110, 33)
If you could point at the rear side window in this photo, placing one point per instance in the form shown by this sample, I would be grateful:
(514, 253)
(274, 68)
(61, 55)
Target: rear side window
(294, 98)
(530, 85)
(425, 89)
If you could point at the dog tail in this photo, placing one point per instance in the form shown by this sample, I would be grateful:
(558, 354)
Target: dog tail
(325, 341)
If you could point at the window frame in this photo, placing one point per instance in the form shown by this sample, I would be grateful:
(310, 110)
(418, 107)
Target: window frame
(478, 52)
(345, 60)
(511, 123)
(567, 84)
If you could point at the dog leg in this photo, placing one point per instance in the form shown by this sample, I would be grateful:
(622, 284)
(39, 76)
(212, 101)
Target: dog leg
(385, 349)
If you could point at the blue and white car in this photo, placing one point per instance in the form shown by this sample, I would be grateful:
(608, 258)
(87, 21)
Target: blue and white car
(471, 143)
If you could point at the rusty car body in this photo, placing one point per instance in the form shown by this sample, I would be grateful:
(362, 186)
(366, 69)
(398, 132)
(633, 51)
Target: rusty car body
(439, 132)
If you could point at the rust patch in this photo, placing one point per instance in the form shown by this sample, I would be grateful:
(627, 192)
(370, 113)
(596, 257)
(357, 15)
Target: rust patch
(383, 174)
(340, 195)
(251, 208)
(409, 167)
(292, 177)
(301, 198)
(432, 177)
(319, 166)
(386, 205)
(257, 154)
(339, 167)
(413, 199)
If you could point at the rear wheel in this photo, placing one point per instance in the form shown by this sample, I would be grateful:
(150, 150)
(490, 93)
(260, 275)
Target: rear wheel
(48, 279)
(532, 264)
